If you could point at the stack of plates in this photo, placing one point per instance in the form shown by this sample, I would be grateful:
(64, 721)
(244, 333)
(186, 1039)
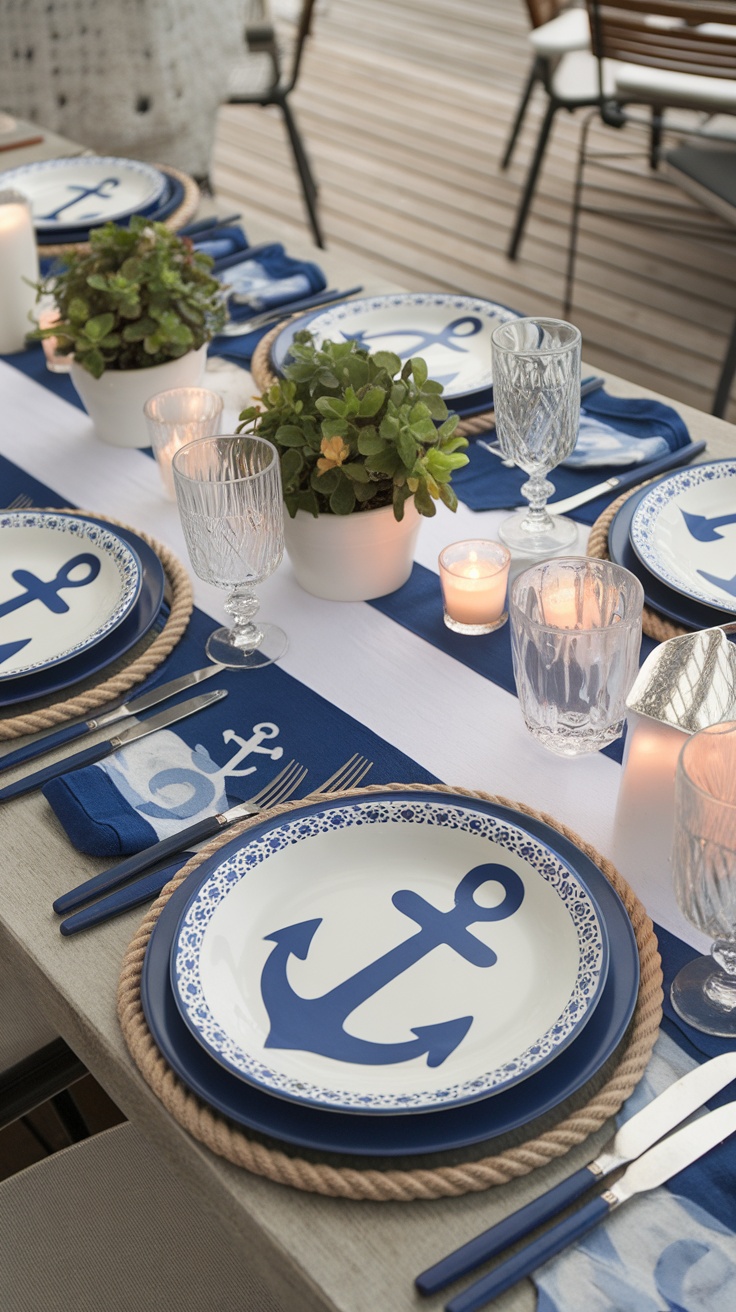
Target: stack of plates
(452, 333)
(678, 536)
(70, 197)
(398, 974)
(75, 595)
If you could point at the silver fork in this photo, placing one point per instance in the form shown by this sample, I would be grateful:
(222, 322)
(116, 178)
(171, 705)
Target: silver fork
(21, 502)
(348, 776)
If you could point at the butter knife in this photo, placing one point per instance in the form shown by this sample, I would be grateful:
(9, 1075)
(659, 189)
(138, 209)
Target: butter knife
(239, 328)
(632, 477)
(99, 751)
(53, 738)
(653, 1122)
(653, 1169)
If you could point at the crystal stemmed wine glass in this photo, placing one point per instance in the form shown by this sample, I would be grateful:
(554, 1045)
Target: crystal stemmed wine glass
(536, 397)
(704, 870)
(230, 504)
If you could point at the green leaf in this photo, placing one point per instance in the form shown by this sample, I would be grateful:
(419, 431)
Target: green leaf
(100, 326)
(423, 502)
(419, 370)
(407, 448)
(356, 472)
(370, 442)
(371, 402)
(389, 428)
(292, 464)
(387, 360)
(326, 482)
(330, 405)
(342, 501)
(289, 435)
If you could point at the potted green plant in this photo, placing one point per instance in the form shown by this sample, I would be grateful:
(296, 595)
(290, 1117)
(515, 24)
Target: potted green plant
(367, 448)
(135, 313)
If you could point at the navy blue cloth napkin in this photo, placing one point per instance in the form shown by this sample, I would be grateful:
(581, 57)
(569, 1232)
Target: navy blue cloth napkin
(487, 484)
(276, 279)
(160, 784)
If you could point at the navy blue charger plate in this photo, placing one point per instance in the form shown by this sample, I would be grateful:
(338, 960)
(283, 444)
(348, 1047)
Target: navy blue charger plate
(114, 645)
(676, 606)
(426, 1132)
(170, 200)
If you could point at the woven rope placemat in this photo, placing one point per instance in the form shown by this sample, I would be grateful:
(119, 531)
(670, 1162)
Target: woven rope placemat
(133, 668)
(234, 1144)
(654, 625)
(263, 376)
(184, 211)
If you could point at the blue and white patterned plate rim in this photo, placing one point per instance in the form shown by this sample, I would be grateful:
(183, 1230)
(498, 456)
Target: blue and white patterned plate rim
(121, 554)
(481, 313)
(683, 573)
(143, 185)
(239, 859)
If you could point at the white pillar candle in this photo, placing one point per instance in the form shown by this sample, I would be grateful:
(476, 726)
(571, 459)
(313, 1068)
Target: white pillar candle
(474, 576)
(18, 262)
(645, 811)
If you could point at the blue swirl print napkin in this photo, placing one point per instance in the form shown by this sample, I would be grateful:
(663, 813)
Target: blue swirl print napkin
(672, 1250)
(160, 784)
(632, 431)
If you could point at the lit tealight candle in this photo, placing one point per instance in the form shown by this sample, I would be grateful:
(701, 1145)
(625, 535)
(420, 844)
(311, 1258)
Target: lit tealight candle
(18, 262)
(474, 576)
(177, 417)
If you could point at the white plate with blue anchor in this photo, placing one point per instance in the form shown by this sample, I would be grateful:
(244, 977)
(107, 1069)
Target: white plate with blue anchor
(385, 956)
(65, 582)
(684, 532)
(87, 190)
(451, 333)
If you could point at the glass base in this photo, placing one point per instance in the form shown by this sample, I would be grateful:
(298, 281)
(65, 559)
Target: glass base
(561, 534)
(574, 741)
(223, 651)
(689, 994)
(475, 629)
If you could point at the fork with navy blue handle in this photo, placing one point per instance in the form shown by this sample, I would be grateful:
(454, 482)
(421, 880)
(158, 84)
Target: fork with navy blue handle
(349, 775)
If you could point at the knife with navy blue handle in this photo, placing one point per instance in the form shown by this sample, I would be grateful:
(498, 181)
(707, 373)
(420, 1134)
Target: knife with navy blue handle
(48, 742)
(637, 1134)
(125, 899)
(657, 1166)
(90, 755)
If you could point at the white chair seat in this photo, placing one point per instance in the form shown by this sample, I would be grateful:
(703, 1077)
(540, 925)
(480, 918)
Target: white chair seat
(570, 30)
(659, 86)
(106, 1225)
(575, 80)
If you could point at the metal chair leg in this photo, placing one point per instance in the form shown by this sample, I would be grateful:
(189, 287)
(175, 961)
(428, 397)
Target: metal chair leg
(309, 187)
(723, 390)
(531, 181)
(655, 137)
(37, 1078)
(572, 249)
(535, 76)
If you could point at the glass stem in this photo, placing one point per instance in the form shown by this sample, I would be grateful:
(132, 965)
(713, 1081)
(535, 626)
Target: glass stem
(537, 491)
(721, 986)
(242, 605)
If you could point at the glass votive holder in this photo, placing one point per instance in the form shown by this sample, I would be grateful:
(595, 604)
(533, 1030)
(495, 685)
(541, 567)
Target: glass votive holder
(177, 417)
(56, 363)
(575, 639)
(474, 576)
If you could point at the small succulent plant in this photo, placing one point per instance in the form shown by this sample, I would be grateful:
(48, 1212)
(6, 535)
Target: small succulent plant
(357, 430)
(138, 297)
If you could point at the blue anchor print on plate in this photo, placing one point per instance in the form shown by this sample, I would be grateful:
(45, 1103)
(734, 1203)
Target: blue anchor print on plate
(450, 337)
(48, 593)
(705, 527)
(100, 190)
(318, 1024)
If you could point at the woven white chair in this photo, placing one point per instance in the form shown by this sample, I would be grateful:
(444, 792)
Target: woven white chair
(106, 1225)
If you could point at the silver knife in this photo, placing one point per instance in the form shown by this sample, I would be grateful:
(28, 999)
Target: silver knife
(53, 738)
(89, 755)
(619, 483)
(671, 1108)
(240, 328)
(653, 1169)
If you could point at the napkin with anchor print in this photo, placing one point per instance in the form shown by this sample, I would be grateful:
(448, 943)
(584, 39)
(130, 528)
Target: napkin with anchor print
(671, 1250)
(173, 778)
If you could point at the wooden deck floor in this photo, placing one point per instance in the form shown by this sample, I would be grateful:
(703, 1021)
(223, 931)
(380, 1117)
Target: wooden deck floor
(405, 106)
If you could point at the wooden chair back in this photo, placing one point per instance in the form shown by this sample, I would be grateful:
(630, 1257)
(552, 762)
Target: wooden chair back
(624, 30)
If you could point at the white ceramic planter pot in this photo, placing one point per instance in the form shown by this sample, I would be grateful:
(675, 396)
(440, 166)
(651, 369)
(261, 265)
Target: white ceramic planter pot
(352, 557)
(115, 401)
